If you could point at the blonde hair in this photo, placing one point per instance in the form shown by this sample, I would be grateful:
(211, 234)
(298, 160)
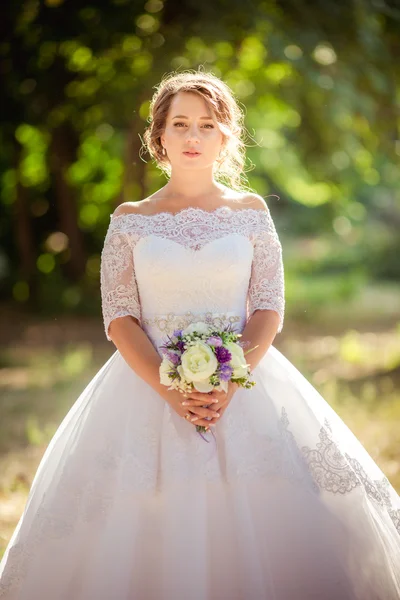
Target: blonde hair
(219, 97)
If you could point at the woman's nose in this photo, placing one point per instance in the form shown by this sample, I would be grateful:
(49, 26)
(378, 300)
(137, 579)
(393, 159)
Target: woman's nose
(192, 134)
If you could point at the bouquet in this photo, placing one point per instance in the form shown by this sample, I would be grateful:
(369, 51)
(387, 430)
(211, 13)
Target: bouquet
(203, 359)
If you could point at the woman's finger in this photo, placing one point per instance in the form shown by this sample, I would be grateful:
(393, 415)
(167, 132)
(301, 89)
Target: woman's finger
(214, 405)
(206, 422)
(213, 421)
(201, 413)
(206, 398)
(191, 402)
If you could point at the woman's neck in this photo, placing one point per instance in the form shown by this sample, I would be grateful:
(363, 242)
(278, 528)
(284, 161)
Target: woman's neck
(187, 186)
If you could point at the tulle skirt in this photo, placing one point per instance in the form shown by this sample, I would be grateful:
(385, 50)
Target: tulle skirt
(129, 502)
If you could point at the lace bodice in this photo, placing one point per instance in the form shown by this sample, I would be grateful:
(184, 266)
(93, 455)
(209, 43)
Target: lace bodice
(168, 270)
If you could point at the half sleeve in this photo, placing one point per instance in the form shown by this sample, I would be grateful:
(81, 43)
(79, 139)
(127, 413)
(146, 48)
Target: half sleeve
(119, 291)
(266, 287)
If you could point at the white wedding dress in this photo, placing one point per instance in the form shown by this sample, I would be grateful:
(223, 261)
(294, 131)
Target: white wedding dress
(130, 503)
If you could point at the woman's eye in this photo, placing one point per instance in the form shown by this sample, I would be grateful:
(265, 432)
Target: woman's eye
(207, 125)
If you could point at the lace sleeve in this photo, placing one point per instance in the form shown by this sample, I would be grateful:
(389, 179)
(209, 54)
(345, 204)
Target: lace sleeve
(266, 288)
(119, 292)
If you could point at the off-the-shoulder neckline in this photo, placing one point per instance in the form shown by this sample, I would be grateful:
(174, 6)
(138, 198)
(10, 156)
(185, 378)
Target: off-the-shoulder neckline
(193, 209)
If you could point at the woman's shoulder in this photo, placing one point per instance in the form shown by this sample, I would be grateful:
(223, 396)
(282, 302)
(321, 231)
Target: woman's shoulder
(253, 200)
(139, 207)
(237, 199)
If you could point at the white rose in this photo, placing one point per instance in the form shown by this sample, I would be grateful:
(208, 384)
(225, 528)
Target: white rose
(238, 361)
(200, 327)
(165, 366)
(203, 386)
(199, 362)
(181, 373)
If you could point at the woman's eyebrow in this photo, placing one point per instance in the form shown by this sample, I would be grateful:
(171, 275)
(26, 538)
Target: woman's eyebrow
(184, 117)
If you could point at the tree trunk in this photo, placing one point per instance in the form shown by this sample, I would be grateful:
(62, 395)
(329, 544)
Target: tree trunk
(63, 153)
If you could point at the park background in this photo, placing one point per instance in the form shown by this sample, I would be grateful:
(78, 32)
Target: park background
(319, 83)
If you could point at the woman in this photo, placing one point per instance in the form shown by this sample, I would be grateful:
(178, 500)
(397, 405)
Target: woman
(279, 500)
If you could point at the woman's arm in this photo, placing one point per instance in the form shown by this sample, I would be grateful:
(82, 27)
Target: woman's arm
(121, 306)
(266, 294)
(259, 334)
(138, 352)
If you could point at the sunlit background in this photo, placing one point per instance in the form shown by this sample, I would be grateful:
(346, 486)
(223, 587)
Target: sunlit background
(319, 83)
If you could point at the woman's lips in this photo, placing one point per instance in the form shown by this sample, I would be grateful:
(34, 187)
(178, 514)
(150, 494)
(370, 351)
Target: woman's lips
(192, 154)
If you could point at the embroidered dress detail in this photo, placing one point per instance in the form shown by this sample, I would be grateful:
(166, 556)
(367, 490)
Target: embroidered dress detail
(166, 324)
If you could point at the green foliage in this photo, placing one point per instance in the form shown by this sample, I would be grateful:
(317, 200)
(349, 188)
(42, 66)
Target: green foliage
(318, 83)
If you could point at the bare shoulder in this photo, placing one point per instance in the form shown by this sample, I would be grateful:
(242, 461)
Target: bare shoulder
(139, 208)
(252, 200)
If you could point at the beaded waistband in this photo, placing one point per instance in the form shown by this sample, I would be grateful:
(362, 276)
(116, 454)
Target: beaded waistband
(166, 324)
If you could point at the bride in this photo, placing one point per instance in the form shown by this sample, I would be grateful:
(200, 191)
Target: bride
(278, 500)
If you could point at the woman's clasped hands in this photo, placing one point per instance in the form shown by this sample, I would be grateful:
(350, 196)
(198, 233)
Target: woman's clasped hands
(206, 409)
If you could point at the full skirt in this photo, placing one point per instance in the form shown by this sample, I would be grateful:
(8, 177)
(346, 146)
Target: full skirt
(281, 502)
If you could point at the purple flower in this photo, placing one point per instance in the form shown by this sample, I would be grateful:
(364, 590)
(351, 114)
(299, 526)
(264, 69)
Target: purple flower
(223, 355)
(172, 356)
(180, 345)
(177, 332)
(214, 341)
(225, 372)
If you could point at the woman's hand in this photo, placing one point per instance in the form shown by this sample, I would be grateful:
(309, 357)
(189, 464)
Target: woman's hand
(175, 400)
(217, 400)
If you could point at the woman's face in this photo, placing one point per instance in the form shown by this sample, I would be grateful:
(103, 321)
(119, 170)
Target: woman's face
(191, 137)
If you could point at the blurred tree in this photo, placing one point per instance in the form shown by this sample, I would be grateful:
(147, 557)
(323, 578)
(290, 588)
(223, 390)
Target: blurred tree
(319, 81)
